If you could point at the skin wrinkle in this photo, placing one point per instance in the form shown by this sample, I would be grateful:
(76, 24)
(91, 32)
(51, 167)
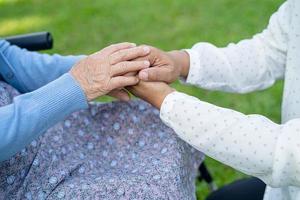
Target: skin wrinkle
(98, 74)
(89, 77)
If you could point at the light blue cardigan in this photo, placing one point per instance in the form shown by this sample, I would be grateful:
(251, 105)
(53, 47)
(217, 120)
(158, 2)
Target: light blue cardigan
(50, 95)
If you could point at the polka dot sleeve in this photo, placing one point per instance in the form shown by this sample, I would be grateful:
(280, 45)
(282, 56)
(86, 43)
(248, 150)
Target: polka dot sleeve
(249, 143)
(249, 65)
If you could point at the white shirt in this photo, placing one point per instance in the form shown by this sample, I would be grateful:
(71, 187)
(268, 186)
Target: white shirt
(250, 143)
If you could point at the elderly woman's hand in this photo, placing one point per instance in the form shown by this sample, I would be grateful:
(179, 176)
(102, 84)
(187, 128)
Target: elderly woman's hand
(102, 72)
(152, 92)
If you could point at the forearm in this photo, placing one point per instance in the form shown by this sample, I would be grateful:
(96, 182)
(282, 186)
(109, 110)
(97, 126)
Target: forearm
(251, 144)
(32, 70)
(238, 68)
(249, 65)
(33, 113)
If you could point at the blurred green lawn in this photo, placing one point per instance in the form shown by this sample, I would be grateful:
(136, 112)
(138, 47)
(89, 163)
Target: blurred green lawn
(82, 27)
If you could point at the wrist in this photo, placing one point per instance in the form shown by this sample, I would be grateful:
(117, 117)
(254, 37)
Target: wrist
(80, 82)
(181, 61)
(157, 102)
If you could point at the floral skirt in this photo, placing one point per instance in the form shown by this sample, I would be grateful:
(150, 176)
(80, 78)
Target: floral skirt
(110, 151)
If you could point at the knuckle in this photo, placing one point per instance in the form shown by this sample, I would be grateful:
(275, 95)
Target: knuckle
(120, 55)
(144, 45)
(104, 87)
(109, 48)
(139, 51)
(148, 46)
(112, 46)
(140, 64)
(107, 86)
(134, 67)
(111, 59)
(115, 47)
(124, 66)
(121, 67)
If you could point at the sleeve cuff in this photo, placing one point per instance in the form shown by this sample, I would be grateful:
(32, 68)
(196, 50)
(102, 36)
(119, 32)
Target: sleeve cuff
(60, 98)
(195, 64)
(168, 107)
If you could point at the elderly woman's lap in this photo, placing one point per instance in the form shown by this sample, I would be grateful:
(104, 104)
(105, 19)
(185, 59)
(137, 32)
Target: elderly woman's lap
(111, 151)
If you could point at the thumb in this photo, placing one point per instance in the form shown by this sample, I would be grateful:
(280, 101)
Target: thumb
(156, 74)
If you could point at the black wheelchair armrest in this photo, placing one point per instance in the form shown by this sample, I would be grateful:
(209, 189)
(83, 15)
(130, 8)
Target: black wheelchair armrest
(32, 41)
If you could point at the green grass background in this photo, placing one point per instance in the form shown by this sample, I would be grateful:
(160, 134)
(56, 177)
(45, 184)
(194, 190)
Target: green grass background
(82, 27)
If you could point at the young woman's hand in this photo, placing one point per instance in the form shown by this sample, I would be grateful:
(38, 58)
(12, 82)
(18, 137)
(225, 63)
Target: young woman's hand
(165, 66)
(103, 71)
(152, 92)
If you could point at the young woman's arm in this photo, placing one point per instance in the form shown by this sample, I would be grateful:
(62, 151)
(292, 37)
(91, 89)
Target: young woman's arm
(247, 66)
(250, 143)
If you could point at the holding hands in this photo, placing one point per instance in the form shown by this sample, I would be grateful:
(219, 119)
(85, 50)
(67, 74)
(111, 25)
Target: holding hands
(122, 65)
(166, 67)
(103, 72)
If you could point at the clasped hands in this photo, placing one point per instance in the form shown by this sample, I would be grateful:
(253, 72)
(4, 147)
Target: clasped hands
(142, 70)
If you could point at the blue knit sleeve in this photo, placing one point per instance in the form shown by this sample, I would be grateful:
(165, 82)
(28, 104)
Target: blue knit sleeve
(33, 113)
(27, 71)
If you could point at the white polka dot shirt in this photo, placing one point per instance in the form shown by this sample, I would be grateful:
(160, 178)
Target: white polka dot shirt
(250, 143)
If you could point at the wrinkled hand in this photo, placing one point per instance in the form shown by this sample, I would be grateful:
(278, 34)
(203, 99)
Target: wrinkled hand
(151, 92)
(165, 66)
(103, 71)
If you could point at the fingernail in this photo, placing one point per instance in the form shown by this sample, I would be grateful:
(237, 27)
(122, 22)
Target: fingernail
(144, 75)
(147, 63)
(146, 49)
(133, 44)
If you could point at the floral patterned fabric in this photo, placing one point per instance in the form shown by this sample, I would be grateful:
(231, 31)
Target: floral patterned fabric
(110, 151)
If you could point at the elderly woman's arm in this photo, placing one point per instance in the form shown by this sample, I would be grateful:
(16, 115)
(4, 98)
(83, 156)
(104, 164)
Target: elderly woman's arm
(28, 71)
(33, 113)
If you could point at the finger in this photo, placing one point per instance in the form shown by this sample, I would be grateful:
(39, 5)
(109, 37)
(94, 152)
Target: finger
(146, 57)
(131, 74)
(154, 53)
(117, 47)
(129, 54)
(156, 74)
(128, 66)
(122, 95)
(123, 81)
